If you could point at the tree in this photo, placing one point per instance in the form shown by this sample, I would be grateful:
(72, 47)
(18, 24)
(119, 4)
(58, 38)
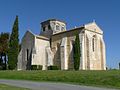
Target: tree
(77, 53)
(4, 39)
(1, 51)
(13, 46)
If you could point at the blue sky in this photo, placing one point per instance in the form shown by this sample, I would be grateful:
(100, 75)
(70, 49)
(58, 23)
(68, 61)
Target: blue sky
(74, 12)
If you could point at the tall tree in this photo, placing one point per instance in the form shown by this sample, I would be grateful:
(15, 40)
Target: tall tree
(77, 53)
(13, 46)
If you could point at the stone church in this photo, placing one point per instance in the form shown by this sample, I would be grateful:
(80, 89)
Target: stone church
(55, 47)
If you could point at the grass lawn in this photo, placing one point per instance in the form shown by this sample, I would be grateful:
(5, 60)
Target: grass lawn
(6, 87)
(109, 78)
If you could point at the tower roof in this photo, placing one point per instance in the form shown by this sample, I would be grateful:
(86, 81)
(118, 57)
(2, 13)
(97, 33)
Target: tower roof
(52, 20)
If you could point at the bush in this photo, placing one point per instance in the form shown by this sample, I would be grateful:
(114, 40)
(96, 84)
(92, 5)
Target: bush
(39, 67)
(52, 68)
(36, 67)
(1, 68)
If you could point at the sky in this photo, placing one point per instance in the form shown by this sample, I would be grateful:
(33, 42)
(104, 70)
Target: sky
(31, 13)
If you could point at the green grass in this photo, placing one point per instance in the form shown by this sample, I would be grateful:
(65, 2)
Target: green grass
(6, 87)
(94, 78)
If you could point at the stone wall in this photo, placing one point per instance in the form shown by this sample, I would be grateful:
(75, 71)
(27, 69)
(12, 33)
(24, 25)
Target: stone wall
(40, 56)
(92, 54)
(56, 43)
(95, 48)
(25, 57)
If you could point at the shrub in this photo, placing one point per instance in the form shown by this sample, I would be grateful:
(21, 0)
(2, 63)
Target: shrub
(52, 68)
(77, 53)
(36, 67)
(1, 68)
(39, 67)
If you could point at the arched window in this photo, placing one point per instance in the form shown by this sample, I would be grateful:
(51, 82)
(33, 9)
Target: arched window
(27, 54)
(62, 28)
(49, 27)
(57, 27)
(93, 43)
(43, 28)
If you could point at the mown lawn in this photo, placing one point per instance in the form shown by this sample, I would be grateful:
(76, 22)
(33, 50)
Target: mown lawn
(94, 78)
(6, 87)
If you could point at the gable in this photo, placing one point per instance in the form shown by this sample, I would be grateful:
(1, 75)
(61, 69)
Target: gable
(28, 34)
(93, 27)
(28, 39)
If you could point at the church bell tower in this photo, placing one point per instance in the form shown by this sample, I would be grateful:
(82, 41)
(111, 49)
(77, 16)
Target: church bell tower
(52, 26)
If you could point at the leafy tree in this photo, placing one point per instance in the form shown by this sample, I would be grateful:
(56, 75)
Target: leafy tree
(13, 46)
(4, 39)
(1, 52)
(77, 53)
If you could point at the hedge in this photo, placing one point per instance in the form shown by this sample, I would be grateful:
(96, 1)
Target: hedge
(52, 68)
(36, 67)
